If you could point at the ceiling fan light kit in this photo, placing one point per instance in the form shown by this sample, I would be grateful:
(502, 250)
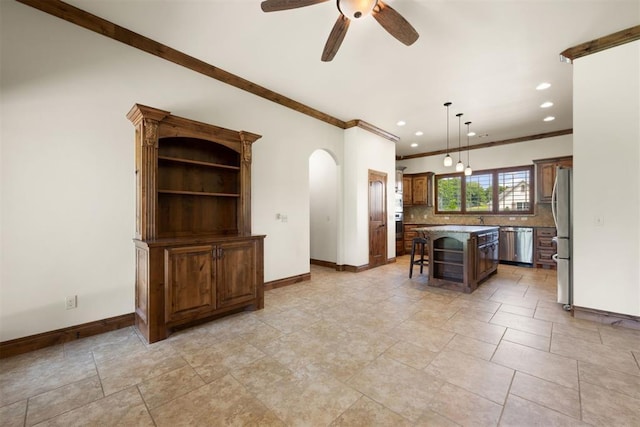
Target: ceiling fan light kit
(386, 16)
(354, 9)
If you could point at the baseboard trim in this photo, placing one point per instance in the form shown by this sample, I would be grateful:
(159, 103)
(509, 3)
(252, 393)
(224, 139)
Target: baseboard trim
(607, 317)
(361, 268)
(287, 281)
(321, 263)
(61, 336)
(346, 267)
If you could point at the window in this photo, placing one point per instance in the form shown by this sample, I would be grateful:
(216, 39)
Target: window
(494, 191)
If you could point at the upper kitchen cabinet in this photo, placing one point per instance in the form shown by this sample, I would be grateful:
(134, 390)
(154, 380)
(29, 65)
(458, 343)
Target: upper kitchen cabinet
(421, 189)
(546, 175)
(407, 191)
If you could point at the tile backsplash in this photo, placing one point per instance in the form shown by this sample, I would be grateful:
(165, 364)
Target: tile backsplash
(426, 215)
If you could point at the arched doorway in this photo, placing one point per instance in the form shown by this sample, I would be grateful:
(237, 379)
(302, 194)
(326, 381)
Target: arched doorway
(323, 208)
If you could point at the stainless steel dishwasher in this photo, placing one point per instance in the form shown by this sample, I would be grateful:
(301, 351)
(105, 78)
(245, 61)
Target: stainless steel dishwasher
(516, 245)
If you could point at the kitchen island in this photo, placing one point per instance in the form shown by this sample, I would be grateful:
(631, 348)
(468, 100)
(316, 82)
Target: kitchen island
(461, 256)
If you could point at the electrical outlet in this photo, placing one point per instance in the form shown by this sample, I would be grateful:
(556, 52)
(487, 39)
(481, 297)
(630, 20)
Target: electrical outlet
(71, 302)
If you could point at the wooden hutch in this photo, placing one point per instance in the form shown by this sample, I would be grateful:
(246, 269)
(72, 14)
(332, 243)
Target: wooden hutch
(195, 255)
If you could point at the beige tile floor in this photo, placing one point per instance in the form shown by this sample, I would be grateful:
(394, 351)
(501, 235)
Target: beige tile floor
(366, 349)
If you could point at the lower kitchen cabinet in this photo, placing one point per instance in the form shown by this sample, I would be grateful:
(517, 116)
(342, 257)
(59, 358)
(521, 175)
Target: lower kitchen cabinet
(408, 234)
(179, 282)
(545, 247)
(486, 255)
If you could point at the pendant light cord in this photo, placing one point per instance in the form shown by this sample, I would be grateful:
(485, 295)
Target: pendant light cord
(467, 123)
(459, 128)
(447, 104)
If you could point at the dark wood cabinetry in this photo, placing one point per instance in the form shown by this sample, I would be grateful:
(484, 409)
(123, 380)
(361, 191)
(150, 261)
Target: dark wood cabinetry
(408, 235)
(190, 280)
(418, 189)
(407, 191)
(195, 255)
(461, 256)
(487, 254)
(545, 247)
(546, 175)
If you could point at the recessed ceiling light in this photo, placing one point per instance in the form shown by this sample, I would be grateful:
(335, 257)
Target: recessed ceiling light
(419, 133)
(472, 133)
(546, 104)
(414, 145)
(543, 86)
(401, 123)
(549, 118)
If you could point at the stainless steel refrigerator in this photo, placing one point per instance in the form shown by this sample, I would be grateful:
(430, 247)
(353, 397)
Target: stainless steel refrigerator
(561, 207)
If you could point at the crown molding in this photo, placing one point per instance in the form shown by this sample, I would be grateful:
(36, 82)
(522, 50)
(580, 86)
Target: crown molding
(371, 128)
(597, 45)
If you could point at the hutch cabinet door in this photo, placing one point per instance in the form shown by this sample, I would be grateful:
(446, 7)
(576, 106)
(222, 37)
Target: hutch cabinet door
(236, 273)
(189, 282)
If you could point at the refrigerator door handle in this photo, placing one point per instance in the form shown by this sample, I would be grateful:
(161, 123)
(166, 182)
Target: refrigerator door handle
(554, 257)
(554, 202)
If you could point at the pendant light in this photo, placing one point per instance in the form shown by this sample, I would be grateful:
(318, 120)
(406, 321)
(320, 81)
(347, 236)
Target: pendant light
(459, 165)
(448, 161)
(468, 171)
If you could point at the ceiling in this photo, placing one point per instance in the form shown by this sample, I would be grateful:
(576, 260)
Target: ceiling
(484, 56)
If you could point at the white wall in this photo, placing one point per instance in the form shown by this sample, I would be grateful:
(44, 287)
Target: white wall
(323, 218)
(606, 116)
(518, 154)
(363, 151)
(67, 164)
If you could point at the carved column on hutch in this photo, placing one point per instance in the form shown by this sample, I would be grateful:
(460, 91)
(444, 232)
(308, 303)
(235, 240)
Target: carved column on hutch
(146, 120)
(244, 226)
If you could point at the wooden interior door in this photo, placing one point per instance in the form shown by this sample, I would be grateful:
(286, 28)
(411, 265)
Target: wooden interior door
(377, 218)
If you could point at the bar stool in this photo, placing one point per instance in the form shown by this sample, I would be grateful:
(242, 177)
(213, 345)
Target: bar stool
(419, 244)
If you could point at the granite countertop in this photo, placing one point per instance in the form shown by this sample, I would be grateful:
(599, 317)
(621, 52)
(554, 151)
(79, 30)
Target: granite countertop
(459, 228)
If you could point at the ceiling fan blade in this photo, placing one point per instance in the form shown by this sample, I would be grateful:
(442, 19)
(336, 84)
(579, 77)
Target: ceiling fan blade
(275, 5)
(394, 23)
(335, 38)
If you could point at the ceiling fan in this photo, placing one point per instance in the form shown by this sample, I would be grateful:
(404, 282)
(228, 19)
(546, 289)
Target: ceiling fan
(386, 16)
